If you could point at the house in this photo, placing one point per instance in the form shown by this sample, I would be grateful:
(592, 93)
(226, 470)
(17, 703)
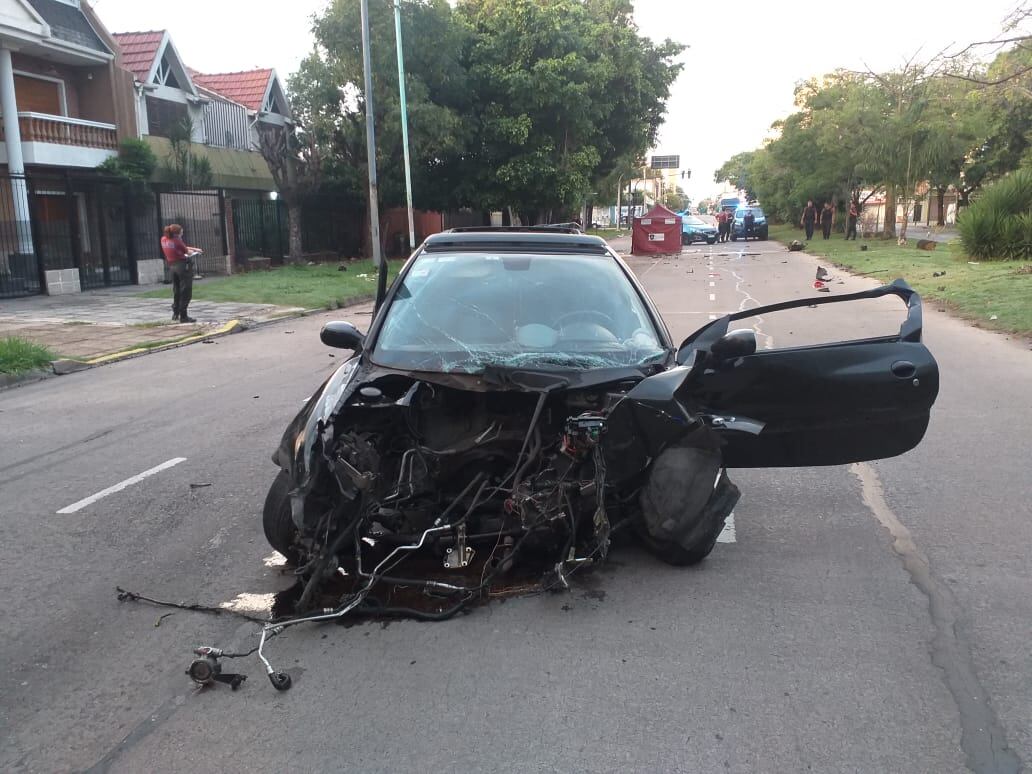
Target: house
(221, 111)
(66, 104)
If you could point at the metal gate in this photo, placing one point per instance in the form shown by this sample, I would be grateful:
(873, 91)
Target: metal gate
(86, 223)
(20, 270)
(202, 216)
(260, 229)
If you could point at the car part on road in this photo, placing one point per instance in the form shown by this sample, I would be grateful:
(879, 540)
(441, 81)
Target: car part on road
(207, 670)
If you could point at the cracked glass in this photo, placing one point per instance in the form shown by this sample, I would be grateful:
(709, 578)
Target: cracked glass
(464, 312)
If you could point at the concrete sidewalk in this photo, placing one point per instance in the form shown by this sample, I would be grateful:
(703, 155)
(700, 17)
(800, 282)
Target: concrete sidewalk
(101, 322)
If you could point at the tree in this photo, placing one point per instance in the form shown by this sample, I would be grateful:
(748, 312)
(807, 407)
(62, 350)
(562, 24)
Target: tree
(735, 172)
(329, 89)
(563, 91)
(135, 161)
(295, 164)
(182, 167)
(676, 200)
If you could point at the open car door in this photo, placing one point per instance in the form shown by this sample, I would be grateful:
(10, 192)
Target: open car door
(816, 405)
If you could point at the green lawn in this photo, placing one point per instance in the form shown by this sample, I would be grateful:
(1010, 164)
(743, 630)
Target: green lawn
(978, 292)
(309, 287)
(18, 356)
(608, 233)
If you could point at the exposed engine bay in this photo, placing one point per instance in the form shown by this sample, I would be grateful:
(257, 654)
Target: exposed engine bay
(473, 489)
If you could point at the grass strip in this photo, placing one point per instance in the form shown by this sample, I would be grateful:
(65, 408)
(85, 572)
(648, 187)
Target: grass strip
(322, 286)
(992, 294)
(18, 356)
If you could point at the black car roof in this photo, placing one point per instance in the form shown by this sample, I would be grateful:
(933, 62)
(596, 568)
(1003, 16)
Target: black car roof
(515, 241)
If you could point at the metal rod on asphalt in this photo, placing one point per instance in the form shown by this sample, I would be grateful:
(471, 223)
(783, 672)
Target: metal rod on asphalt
(404, 124)
(374, 206)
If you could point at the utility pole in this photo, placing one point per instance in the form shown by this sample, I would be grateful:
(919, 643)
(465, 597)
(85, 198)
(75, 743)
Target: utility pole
(374, 195)
(404, 124)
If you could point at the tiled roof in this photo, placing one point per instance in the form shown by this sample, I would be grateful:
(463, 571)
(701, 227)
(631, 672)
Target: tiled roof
(68, 23)
(138, 51)
(248, 88)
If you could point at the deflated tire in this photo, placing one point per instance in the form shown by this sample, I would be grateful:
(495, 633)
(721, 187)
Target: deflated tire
(684, 504)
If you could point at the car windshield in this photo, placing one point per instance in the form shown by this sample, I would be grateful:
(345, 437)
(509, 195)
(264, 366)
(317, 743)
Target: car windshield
(463, 312)
(756, 211)
(691, 220)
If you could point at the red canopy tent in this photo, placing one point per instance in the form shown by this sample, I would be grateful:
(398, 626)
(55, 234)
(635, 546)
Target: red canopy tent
(657, 232)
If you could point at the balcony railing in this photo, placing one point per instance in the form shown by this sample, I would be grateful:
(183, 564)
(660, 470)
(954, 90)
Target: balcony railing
(39, 127)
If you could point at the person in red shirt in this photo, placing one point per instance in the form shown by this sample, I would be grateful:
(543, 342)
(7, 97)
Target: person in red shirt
(177, 256)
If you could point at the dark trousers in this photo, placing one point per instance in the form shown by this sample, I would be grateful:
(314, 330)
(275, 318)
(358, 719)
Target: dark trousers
(722, 232)
(826, 229)
(182, 286)
(851, 228)
(808, 225)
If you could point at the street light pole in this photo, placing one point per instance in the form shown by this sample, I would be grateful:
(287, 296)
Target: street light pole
(374, 194)
(404, 124)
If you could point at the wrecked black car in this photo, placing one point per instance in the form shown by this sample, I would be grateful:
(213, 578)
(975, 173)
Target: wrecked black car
(517, 405)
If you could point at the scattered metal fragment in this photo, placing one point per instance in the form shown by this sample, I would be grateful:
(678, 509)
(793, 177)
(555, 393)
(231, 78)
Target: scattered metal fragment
(199, 485)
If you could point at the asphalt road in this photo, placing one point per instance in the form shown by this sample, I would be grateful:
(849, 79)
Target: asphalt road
(871, 618)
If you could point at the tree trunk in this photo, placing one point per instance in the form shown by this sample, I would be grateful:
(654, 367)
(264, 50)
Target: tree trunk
(906, 218)
(294, 228)
(890, 211)
(941, 195)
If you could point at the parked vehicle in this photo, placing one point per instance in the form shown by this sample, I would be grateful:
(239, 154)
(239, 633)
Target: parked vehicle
(759, 229)
(518, 405)
(695, 229)
(731, 203)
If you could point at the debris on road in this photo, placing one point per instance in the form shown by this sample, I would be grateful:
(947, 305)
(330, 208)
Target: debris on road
(200, 485)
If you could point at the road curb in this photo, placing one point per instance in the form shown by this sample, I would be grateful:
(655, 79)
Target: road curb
(10, 381)
(71, 366)
(67, 366)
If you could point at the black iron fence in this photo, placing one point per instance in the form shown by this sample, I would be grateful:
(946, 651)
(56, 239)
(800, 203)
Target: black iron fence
(20, 271)
(61, 232)
(260, 228)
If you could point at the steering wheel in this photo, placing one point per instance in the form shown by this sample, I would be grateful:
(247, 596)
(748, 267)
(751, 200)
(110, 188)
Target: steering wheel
(609, 323)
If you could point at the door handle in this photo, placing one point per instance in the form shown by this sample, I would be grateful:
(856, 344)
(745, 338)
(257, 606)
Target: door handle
(903, 369)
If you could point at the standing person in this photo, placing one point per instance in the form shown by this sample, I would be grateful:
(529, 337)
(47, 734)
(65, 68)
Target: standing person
(827, 219)
(809, 218)
(177, 256)
(721, 226)
(748, 221)
(854, 213)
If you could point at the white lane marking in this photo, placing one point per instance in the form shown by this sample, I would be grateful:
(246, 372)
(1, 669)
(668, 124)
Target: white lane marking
(122, 485)
(727, 535)
(712, 296)
(712, 284)
(713, 317)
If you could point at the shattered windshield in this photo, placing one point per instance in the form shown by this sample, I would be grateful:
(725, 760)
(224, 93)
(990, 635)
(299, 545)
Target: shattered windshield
(463, 312)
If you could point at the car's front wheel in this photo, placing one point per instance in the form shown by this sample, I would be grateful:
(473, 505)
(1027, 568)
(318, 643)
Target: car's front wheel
(734, 238)
(276, 519)
(682, 510)
(711, 241)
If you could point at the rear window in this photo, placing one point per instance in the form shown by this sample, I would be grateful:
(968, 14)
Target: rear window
(756, 211)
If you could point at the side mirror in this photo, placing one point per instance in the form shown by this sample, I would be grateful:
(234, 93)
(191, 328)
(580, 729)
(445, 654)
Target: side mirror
(342, 335)
(734, 344)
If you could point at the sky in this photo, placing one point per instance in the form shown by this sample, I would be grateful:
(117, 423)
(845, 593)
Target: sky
(744, 60)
